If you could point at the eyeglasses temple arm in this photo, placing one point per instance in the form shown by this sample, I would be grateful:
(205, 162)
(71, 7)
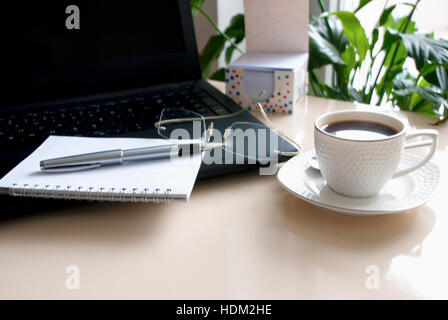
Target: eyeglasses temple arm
(279, 132)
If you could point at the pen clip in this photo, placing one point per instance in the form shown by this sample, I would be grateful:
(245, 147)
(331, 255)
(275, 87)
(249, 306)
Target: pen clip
(67, 169)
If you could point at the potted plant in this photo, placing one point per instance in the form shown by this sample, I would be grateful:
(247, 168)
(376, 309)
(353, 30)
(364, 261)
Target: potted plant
(368, 68)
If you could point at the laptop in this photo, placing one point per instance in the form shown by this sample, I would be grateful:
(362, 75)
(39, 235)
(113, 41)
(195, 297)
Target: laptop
(107, 69)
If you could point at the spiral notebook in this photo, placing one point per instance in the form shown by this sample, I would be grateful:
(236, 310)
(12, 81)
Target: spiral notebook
(145, 181)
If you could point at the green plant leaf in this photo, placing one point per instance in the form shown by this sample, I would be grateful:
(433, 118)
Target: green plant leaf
(409, 4)
(196, 3)
(342, 73)
(423, 49)
(403, 80)
(400, 56)
(210, 53)
(417, 101)
(322, 51)
(398, 25)
(236, 28)
(316, 84)
(387, 80)
(427, 93)
(394, 61)
(375, 38)
(436, 74)
(362, 4)
(390, 23)
(429, 68)
(219, 75)
(355, 32)
(356, 95)
(332, 31)
(349, 57)
(412, 28)
(385, 15)
(420, 105)
(439, 78)
(442, 78)
(229, 54)
(217, 43)
(333, 93)
(390, 38)
(426, 108)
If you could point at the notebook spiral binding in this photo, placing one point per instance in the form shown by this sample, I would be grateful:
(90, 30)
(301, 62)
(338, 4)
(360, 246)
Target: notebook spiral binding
(135, 195)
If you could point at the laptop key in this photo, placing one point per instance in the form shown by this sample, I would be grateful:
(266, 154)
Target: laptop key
(220, 111)
(208, 101)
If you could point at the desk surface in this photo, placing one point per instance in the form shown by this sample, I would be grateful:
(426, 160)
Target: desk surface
(239, 237)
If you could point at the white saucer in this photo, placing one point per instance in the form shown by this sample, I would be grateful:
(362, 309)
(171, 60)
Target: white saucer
(399, 195)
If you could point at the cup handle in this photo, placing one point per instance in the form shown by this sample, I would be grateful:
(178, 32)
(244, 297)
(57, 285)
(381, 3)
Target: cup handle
(434, 135)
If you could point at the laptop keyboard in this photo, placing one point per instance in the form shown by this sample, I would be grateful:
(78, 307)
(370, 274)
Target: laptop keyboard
(108, 118)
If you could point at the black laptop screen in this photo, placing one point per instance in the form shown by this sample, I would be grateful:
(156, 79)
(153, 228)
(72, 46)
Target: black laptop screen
(52, 49)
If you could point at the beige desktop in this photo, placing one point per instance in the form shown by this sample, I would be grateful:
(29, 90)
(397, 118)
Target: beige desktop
(240, 237)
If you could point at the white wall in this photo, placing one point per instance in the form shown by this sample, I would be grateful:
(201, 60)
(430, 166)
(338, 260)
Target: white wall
(226, 10)
(203, 28)
(221, 11)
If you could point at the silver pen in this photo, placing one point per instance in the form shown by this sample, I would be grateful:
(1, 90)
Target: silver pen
(117, 157)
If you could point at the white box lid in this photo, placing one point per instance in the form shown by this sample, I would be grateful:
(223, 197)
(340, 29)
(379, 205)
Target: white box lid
(272, 61)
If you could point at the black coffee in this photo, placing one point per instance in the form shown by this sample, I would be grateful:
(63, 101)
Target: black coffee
(359, 130)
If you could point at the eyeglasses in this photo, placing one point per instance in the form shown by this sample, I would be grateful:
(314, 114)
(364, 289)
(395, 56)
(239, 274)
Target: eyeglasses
(249, 140)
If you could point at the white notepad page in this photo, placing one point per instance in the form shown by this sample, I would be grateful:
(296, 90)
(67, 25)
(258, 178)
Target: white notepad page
(176, 175)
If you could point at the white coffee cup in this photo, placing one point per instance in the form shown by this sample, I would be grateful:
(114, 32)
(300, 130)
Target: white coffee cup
(361, 168)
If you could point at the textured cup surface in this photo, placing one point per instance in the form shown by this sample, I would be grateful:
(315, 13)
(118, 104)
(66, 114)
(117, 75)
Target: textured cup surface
(358, 168)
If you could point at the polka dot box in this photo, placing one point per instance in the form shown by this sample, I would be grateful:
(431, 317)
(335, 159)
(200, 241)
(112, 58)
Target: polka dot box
(282, 76)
